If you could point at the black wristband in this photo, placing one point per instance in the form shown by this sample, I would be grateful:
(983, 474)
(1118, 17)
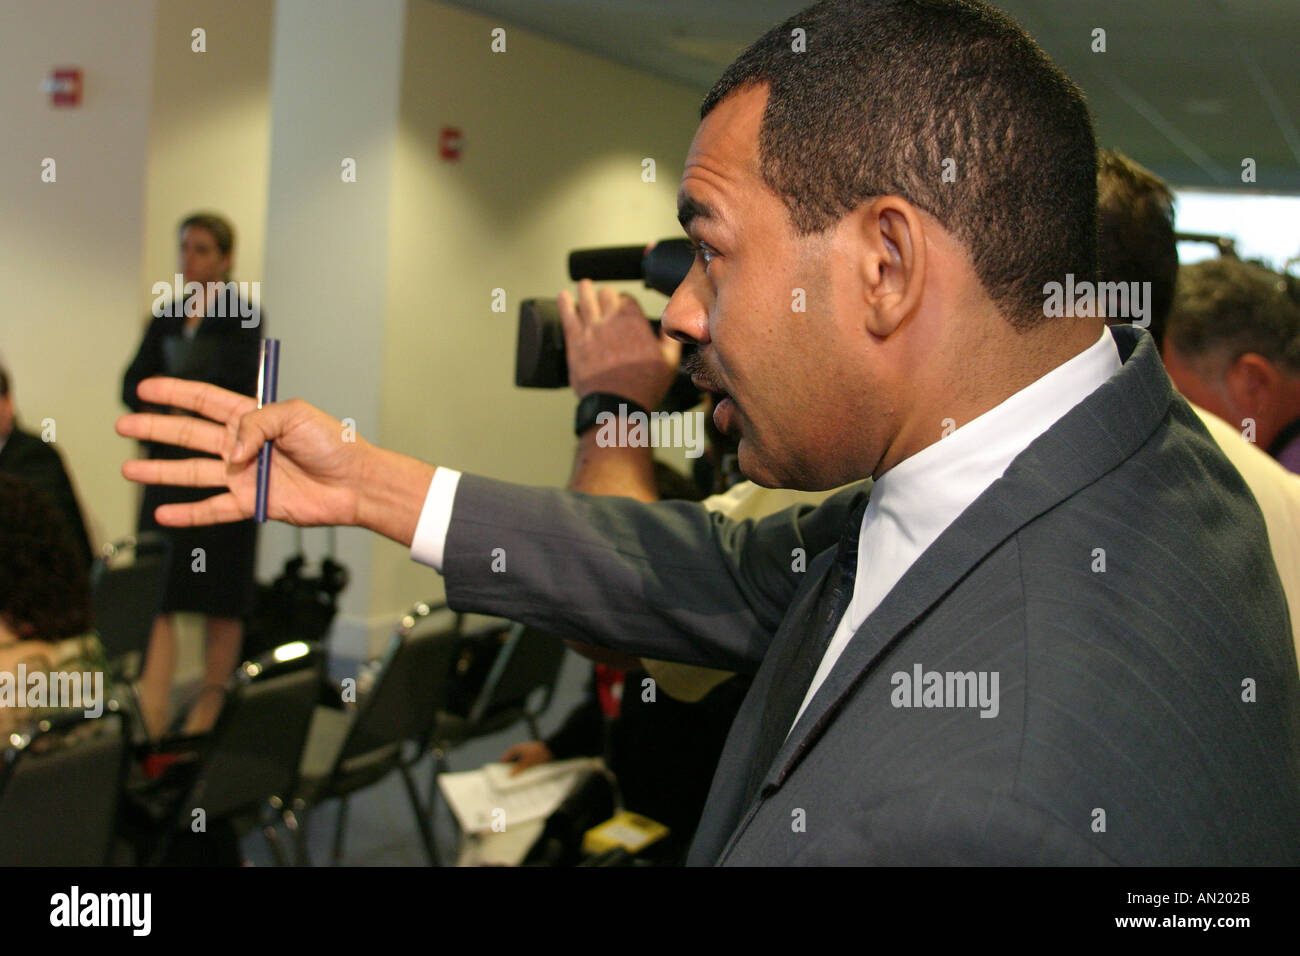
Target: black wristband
(594, 404)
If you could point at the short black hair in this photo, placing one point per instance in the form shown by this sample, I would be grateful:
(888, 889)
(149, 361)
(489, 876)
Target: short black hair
(1224, 308)
(1135, 232)
(887, 90)
(4, 382)
(43, 578)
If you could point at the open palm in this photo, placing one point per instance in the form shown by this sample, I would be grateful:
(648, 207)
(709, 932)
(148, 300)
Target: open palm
(315, 467)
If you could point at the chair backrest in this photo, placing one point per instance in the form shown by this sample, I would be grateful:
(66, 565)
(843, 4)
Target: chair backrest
(412, 687)
(254, 749)
(125, 596)
(529, 660)
(59, 790)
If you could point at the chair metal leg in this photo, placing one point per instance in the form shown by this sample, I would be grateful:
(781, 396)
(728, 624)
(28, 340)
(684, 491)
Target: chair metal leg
(273, 841)
(339, 825)
(422, 819)
(437, 766)
(299, 830)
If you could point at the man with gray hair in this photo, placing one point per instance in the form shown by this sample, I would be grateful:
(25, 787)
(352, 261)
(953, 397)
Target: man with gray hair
(1135, 243)
(1233, 347)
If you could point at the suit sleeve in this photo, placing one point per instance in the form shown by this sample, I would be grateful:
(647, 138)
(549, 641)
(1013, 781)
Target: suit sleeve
(236, 364)
(668, 580)
(66, 499)
(148, 361)
(42, 465)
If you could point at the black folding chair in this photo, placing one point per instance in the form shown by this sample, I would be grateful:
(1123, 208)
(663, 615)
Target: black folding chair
(247, 766)
(350, 749)
(520, 686)
(59, 788)
(125, 588)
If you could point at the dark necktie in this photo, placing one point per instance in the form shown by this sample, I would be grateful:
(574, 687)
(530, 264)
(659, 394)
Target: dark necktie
(801, 655)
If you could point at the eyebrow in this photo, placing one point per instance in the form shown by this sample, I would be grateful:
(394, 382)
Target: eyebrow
(688, 208)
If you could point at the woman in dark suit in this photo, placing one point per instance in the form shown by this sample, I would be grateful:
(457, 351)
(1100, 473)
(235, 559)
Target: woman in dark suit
(211, 568)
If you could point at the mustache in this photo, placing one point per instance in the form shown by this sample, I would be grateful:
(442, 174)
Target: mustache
(698, 368)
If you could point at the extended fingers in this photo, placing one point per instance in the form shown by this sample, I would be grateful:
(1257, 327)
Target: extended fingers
(568, 314)
(219, 509)
(188, 473)
(588, 306)
(609, 300)
(210, 401)
(181, 430)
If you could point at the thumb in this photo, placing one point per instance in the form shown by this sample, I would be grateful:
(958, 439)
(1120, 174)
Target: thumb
(255, 429)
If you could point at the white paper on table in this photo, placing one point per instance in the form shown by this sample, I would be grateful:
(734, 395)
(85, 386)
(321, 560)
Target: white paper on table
(500, 776)
(500, 849)
(474, 798)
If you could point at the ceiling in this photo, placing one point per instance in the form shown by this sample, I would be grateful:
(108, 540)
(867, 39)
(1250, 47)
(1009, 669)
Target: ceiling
(1186, 87)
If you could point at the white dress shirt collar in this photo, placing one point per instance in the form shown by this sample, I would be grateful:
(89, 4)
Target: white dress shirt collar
(916, 500)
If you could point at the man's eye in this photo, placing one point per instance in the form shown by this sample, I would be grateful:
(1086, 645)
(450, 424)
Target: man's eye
(704, 252)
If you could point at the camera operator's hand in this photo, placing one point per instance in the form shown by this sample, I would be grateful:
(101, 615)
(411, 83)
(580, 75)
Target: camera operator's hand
(321, 473)
(612, 348)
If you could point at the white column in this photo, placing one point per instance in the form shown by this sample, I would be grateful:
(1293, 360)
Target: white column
(335, 78)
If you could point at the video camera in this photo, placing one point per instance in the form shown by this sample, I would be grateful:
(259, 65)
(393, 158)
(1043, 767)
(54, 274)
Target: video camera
(539, 354)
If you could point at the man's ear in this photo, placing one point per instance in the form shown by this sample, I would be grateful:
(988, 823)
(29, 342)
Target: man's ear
(1254, 384)
(892, 261)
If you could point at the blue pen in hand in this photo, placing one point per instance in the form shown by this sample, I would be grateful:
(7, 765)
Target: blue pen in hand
(267, 376)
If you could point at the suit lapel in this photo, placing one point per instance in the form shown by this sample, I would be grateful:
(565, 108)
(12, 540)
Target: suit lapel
(1092, 438)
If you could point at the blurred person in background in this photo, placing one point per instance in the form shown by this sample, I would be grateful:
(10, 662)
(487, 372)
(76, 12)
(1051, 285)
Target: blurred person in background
(1233, 347)
(24, 455)
(45, 617)
(211, 569)
(1135, 242)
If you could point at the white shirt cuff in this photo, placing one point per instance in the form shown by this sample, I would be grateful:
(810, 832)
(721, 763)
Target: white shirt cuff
(435, 518)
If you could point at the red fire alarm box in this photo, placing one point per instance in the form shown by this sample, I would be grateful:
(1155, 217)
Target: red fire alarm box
(450, 142)
(64, 87)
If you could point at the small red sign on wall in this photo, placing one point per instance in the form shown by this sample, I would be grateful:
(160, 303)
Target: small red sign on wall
(64, 87)
(450, 143)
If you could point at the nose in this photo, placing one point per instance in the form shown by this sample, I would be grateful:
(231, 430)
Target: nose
(686, 317)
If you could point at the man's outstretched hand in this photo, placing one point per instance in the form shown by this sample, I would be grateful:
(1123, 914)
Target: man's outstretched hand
(321, 473)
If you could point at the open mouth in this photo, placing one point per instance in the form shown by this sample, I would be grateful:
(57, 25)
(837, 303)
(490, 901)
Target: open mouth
(705, 384)
(724, 411)
(724, 406)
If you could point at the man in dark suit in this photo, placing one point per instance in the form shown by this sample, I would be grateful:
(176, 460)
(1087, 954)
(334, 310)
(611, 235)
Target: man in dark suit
(25, 456)
(1051, 632)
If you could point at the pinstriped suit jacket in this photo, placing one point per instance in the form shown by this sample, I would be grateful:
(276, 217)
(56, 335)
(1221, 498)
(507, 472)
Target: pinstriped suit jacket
(1148, 713)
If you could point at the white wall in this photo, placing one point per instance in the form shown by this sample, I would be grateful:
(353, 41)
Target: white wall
(380, 289)
(335, 73)
(70, 250)
(161, 131)
(554, 141)
(210, 126)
